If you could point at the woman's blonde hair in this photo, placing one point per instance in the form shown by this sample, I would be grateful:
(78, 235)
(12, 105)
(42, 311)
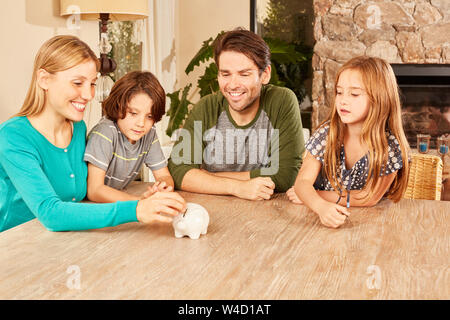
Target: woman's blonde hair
(384, 114)
(56, 54)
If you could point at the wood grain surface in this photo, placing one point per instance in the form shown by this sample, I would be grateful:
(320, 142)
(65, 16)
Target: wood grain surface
(253, 250)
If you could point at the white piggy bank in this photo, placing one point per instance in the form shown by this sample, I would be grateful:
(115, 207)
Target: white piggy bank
(192, 223)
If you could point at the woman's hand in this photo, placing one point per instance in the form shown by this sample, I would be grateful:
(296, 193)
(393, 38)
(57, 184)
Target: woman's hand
(292, 196)
(161, 206)
(333, 215)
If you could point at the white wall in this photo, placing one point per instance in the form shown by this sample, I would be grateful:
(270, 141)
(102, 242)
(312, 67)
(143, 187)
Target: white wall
(24, 26)
(199, 20)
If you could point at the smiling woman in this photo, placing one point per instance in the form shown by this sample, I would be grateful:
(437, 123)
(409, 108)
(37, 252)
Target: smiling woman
(42, 172)
(67, 92)
(56, 55)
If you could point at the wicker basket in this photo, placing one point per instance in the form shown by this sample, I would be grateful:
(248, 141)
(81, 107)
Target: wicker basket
(425, 177)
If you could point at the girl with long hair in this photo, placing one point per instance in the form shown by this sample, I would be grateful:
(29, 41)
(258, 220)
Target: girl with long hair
(42, 172)
(360, 152)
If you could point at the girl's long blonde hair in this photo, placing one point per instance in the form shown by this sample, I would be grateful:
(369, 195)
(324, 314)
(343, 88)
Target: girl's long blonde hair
(384, 114)
(56, 54)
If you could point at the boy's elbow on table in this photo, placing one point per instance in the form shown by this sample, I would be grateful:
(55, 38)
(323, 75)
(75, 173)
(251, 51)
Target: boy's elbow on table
(93, 193)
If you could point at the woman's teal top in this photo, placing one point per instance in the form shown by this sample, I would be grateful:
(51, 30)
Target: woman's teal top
(39, 180)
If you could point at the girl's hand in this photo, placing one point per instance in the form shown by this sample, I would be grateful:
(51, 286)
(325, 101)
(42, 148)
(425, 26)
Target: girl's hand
(333, 215)
(293, 196)
(161, 206)
(156, 187)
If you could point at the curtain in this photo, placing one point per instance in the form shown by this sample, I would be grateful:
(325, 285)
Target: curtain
(157, 34)
(158, 57)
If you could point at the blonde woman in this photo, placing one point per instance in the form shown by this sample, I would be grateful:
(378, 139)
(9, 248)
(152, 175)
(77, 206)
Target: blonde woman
(42, 172)
(360, 152)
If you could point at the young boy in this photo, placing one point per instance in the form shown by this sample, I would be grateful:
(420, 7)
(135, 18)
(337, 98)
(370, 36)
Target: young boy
(125, 138)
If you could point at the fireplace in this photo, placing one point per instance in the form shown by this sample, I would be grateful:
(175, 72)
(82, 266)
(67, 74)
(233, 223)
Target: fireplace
(425, 97)
(398, 31)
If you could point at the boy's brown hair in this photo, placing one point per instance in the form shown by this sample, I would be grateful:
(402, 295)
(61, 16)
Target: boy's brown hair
(115, 106)
(245, 42)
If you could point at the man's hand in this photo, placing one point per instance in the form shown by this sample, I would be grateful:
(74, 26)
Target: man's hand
(260, 188)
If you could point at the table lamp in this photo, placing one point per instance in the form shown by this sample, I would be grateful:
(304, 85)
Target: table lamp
(105, 10)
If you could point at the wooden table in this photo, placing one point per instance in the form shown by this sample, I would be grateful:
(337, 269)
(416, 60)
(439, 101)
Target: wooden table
(253, 250)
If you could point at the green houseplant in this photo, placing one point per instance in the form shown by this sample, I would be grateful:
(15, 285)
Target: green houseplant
(289, 65)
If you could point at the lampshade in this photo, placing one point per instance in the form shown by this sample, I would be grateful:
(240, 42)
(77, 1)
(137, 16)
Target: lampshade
(119, 10)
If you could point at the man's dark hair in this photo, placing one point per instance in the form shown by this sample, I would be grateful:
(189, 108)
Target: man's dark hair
(245, 42)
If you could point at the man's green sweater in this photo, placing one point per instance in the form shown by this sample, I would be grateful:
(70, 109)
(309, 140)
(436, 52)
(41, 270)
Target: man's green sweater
(270, 145)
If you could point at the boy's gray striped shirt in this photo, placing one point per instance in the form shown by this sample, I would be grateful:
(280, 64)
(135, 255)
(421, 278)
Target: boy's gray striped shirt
(108, 149)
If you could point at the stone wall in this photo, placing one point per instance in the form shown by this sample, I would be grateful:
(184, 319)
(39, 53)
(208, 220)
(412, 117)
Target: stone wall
(399, 31)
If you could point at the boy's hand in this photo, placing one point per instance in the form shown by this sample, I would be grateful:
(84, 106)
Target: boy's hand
(158, 186)
(162, 186)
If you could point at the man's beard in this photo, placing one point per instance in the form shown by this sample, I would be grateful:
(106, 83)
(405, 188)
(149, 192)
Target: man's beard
(245, 107)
